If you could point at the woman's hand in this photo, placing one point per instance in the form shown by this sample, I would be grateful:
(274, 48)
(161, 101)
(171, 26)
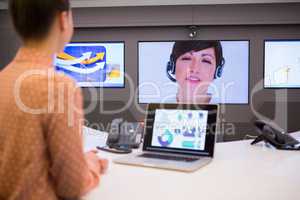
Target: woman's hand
(95, 163)
(103, 165)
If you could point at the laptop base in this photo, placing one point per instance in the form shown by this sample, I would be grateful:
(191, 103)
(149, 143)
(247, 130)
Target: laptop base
(137, 160)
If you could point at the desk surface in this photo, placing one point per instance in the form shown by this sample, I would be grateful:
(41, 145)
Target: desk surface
(238, 171)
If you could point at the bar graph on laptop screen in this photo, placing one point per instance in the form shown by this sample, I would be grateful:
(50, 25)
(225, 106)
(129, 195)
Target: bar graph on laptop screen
(181, 129)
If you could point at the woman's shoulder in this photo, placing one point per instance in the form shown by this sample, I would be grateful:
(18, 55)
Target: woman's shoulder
(57, 79)
(46, 81)
(61, 78)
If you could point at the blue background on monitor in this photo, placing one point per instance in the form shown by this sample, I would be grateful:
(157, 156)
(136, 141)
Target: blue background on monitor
(78, 52)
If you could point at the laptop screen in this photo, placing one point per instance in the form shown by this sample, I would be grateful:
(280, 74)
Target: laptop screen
(181, 129)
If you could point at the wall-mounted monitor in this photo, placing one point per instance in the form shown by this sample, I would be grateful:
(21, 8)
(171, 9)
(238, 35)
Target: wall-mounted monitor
(282, 64)
(195, 71)
(93, 64)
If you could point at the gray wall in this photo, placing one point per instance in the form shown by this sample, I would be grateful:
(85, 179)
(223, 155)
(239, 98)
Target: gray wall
(9, 42)
(118, 3)
(224, 22)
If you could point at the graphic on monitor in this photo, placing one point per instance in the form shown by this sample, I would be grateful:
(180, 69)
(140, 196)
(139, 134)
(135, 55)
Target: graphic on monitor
(193, 71)
(93, 64)
(282, 64)
(182, 129)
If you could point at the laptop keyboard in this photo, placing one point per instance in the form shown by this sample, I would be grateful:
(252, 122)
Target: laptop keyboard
(168, 157)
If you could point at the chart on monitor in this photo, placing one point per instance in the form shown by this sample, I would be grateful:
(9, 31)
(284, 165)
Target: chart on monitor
(93, 64)
(180, 129)
(282, 64)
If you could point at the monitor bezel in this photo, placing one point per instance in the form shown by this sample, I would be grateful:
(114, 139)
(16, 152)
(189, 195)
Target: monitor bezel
(107, 42)
(225, 40)
(211, 132)
(264, 64)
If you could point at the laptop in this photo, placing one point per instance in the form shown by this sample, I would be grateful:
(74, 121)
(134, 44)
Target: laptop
(177, 137)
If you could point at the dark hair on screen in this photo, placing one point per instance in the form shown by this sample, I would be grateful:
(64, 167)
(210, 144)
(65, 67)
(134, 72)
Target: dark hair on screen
(182, 47)
(33, 19)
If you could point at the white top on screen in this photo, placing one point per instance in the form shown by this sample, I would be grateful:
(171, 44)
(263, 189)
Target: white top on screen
(282, 64)
(155, 87)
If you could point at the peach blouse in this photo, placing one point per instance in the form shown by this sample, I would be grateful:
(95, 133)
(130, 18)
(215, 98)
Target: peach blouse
(41, 146)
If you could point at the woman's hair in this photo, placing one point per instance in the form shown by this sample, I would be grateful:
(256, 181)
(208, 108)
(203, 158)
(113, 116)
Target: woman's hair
(182, 47)
(33, 19)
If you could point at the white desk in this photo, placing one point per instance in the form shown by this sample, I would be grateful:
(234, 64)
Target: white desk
(238, 172)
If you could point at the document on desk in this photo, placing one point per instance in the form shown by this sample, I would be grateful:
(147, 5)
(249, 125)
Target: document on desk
(93, 138)
(296, 135)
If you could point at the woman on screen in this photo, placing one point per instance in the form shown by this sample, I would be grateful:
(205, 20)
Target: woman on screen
(41, 146)
(194, 65)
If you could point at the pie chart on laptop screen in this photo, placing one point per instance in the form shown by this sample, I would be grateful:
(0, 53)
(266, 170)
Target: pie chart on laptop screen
(166, 139)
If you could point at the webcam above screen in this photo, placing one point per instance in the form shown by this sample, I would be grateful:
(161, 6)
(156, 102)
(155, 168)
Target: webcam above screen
(207, 71)
(93, 64)
(282, 64)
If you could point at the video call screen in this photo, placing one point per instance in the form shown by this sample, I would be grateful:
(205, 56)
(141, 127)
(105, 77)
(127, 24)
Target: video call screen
(93, 64)
(282, 64)
(181, 129)
(208, 71)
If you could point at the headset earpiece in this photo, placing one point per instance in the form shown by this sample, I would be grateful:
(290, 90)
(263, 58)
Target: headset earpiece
(218, 72)
(219, 69)
(171, 68)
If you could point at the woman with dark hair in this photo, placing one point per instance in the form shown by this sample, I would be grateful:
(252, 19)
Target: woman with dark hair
(41, 147)
(194, 65)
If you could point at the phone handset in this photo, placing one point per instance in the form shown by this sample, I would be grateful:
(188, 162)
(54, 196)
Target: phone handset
(124, 136)
(275, 137)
